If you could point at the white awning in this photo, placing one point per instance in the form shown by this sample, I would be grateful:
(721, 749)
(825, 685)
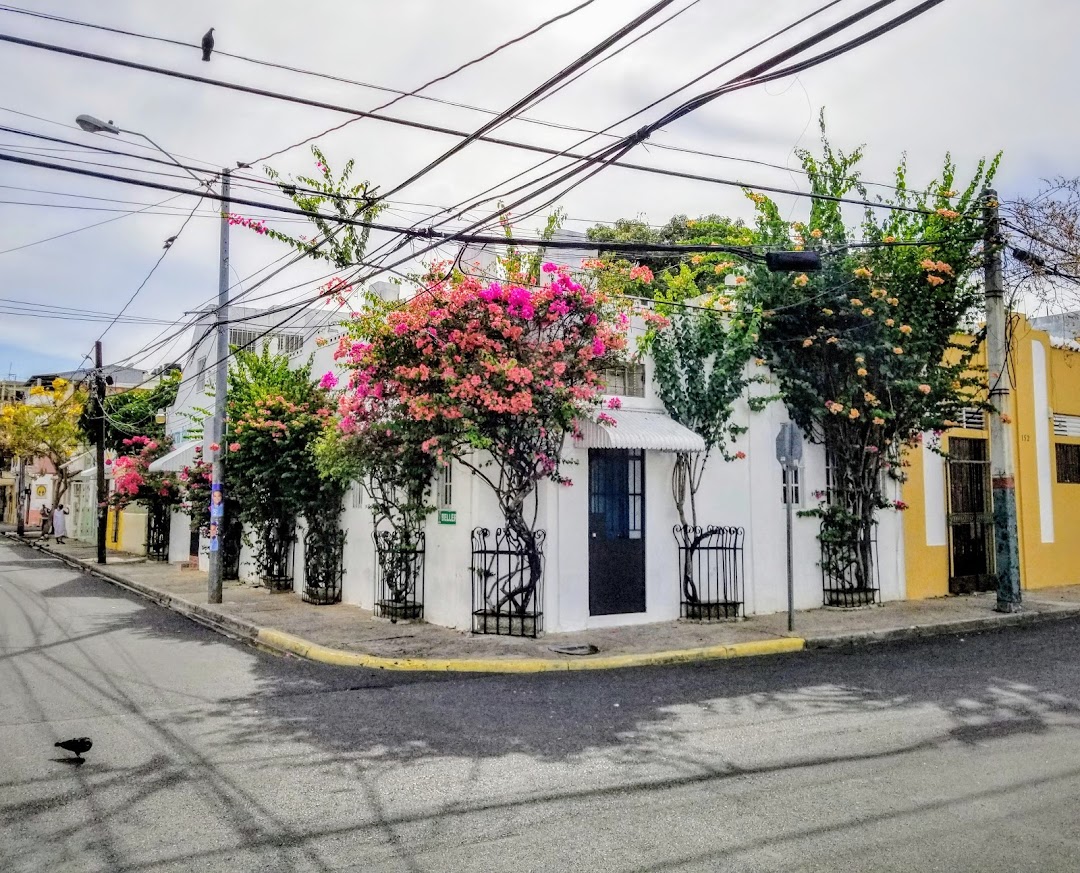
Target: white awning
(640, 429)
(88, 473)
(182, 456)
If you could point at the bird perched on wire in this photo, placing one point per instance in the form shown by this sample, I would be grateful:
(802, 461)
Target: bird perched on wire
(78, 746)
(207, 44)
(169, 242)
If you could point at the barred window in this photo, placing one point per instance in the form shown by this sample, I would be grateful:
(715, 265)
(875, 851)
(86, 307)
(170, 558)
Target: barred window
(289, 343)
(242, 337)
(790, 492)
(1068, 463)
(445, 487)
(357, 496)
(626, 380)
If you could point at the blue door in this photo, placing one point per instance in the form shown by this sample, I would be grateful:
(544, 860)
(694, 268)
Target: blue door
(616, 531)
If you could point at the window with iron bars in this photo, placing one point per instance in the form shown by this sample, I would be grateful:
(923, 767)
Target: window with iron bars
(1068, 463)
(791, 489)
(625, 380)
(445, 487)
(243, 338)
(289, 343)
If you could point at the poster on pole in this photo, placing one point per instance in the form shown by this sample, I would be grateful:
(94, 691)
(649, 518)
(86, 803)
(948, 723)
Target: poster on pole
(217, 511)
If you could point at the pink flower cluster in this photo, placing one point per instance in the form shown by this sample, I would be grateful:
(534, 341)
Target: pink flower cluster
(255, 224)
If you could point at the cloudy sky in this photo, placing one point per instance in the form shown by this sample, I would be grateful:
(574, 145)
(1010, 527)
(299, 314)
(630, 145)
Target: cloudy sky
(970, 76)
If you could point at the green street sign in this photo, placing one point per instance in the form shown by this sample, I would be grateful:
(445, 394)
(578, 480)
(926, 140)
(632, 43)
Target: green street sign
(447, 516)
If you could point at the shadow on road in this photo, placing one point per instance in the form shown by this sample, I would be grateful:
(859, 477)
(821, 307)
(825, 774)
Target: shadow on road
(984, 688)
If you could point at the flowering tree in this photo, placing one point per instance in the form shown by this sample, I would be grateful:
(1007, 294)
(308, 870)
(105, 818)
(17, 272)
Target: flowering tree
(275, 416)
(866, 352)
(133, 480)
(46, 426)
(504, 371)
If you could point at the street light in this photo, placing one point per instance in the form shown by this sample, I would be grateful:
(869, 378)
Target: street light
(95, 125)
(221, 368)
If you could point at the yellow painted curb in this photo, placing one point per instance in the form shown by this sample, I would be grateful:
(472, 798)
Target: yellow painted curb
(323, 654)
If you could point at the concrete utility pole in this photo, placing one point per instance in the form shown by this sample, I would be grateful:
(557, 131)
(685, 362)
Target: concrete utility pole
(102, 509)
(1002, 470)
(221, 387)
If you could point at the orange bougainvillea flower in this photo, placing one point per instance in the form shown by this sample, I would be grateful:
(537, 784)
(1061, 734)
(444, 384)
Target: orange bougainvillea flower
(889, 322)
(935, 280)
(897, 350)
(869, 398)
(864, 272)
(1006, 418)
(877, 293)
(853, 414)
(815, 233)
(893, 301)
(855, 301)
(826, 312)
(861, 371)
(878, 420)
(868, 312)
(904, 328)
(924, 388)
(832, 339)
(948, 213)
(806, 343)
(889, 239)
(739, 280)
(801, 279)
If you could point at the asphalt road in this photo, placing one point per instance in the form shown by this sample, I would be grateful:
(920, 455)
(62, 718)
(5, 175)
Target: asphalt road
(952, 754)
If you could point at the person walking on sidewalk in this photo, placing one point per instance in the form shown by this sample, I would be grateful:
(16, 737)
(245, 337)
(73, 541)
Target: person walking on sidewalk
(59, 523)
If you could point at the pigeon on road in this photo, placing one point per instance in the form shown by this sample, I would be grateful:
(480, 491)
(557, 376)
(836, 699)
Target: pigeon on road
(207, 44)
(79, 746)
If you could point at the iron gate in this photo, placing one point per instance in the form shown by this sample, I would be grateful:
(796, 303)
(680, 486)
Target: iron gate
(275, 558)
(970, 516)
(158, 525)
(399, 574)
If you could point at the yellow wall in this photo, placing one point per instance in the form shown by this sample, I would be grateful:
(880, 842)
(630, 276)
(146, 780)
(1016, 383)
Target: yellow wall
(1041, 564)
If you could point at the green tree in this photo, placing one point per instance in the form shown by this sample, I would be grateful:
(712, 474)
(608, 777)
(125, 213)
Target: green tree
(867, 352)
(132, 413)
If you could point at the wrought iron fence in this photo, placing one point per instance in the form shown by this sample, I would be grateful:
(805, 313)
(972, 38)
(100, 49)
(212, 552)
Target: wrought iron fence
(507, 591)
(231, 543)
(275, 554)
(843, 578)
(399, 574)
(158, 527)
(711, 571)
(324, 566)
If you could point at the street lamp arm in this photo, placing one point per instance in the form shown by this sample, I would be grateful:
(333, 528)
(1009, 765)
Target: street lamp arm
(169, 156)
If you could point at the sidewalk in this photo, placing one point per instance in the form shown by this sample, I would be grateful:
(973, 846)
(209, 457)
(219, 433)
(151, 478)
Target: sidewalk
(349, 636)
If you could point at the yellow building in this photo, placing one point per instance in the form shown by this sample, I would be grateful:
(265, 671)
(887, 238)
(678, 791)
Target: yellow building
(948, 529)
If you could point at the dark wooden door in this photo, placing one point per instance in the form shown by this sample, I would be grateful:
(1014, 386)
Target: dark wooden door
(616, 531)
(971, 516)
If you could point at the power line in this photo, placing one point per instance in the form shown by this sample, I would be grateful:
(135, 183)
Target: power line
(541, 89)
(756, 75)
(88, 226)
(153, 269)
(431, 128)
(441, 78)
(462, 236)
(425, 97)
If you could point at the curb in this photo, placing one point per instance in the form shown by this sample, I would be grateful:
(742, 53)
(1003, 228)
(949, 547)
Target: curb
(948, 628)
(282, 643)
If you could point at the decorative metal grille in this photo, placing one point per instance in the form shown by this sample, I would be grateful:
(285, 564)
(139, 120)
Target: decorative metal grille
(230, 545)
(399, 575)
(505, 600)
(158, 524)
(711, 570)
(842, 576)
(275, 556)
(324, 566)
